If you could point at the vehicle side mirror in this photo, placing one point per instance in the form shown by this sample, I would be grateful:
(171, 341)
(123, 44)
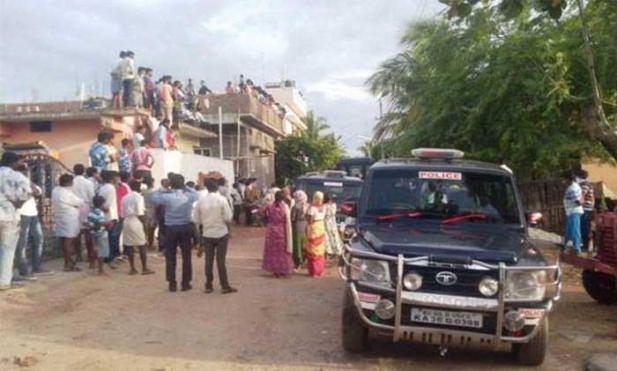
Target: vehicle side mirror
(349, 209)
(533, 219)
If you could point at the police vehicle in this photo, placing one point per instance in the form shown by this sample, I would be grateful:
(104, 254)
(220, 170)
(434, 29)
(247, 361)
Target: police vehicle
(344, 189)
(442, 256)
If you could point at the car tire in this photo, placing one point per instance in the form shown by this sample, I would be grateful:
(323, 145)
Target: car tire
(600, 286)
(354, 332)
(533, 352)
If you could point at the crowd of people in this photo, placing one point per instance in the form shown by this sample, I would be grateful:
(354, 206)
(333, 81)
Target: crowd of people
(300, 233)
(114, 208)
(170, 99)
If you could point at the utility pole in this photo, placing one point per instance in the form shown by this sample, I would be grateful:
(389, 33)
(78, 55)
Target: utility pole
(221, 132)
(383, 156)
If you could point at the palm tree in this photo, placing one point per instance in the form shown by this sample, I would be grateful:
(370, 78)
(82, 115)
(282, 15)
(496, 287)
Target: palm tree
(367, 148)
(314, 126)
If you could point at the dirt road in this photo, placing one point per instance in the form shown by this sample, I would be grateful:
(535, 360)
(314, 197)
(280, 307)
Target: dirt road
(79, 321)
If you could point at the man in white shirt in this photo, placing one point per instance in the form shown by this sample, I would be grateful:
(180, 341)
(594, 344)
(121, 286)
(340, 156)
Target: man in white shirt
(128, 79)
(84, 189)
(30, 232)
(214, 215)
(15, 190)
(108, 192)
(116, 81)
(138, 137)
(573, 205)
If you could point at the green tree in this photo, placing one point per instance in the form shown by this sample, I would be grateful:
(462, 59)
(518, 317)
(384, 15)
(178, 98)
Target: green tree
(579, 16)
(298, 154)
(496, 89)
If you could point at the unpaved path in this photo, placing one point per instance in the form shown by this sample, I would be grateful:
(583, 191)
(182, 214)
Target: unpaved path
(83, 322)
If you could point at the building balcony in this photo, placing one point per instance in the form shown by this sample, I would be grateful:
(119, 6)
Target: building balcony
(244, 107)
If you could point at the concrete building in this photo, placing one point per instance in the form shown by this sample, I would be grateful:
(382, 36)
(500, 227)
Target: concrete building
(68, 129)
(289, 97)
(251, 127)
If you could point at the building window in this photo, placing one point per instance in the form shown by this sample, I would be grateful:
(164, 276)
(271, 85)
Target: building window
(202, 151)
(40, 126)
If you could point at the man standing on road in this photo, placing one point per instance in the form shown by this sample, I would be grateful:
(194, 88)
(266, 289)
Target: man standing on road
(572, 202)
(109, 193)
(213, 213)
(15, 190)
(178, 204)
(84, 189)
(31, 233)
(589, 201)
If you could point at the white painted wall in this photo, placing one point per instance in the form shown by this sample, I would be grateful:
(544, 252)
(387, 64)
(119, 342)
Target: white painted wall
(189, 165)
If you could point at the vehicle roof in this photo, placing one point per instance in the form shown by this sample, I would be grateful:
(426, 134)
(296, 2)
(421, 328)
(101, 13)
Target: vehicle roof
(452, 164)
(355, 161)
(322, 177)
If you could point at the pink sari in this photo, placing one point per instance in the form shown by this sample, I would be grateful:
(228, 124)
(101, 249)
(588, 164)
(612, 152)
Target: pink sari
(277, 257)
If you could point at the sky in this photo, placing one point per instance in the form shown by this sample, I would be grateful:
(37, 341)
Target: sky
(329, 47)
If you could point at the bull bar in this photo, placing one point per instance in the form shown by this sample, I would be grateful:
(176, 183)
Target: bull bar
(442, 336)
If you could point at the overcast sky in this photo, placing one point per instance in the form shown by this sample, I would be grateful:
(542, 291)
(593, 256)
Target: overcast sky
(48, 48)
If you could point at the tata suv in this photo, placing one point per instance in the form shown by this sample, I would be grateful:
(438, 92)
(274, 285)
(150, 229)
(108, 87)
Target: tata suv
(442, 256)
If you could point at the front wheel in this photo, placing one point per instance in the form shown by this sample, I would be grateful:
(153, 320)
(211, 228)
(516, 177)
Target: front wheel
(600, 286)
(533, 352)
(355, 333)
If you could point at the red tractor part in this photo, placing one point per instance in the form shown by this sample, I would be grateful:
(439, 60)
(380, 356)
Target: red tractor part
(600, 272)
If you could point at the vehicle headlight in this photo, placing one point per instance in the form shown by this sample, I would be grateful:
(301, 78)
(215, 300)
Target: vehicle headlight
(371, 271)
(412, 281)
(525, 285)
(488, 286)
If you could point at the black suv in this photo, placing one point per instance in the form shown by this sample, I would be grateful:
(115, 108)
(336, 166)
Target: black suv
(344, 189)
(442, 256)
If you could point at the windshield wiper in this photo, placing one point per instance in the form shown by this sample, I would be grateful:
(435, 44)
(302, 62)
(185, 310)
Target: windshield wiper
(459, 218)
(414, 214)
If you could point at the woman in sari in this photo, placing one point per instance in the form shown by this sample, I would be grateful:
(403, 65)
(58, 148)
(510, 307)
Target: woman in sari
(316, 237)
(278, 245)
(298, 218)
(334, 247)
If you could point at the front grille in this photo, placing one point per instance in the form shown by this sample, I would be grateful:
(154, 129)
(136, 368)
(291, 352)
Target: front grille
(466, 284)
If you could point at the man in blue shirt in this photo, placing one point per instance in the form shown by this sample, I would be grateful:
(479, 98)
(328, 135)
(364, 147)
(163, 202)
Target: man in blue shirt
(124, 162)
(99, 155)
(178, 203)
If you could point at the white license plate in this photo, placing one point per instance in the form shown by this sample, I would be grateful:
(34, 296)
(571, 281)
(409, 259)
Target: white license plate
(443, 317)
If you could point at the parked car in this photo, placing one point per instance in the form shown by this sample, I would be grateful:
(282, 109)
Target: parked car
(344, 189)
(355, 166)
(442, 256)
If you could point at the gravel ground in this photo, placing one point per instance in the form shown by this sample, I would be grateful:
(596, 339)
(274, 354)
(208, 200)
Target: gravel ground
(79, 321)
(544, 236)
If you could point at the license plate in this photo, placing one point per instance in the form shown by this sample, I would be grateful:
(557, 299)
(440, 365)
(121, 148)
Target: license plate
(443, 317)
